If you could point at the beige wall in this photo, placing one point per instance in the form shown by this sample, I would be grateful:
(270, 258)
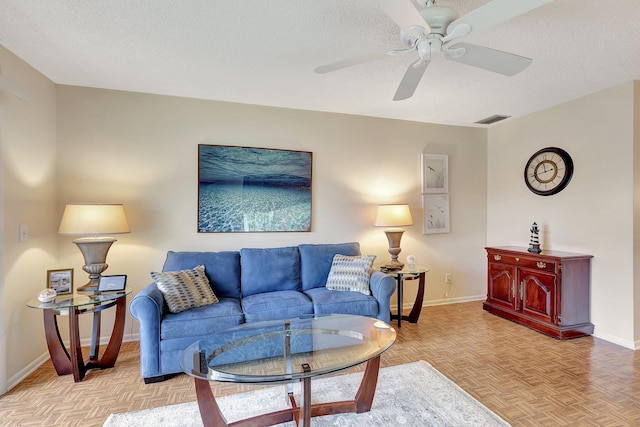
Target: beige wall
(28, 195)
(141, 150)
(595, 214)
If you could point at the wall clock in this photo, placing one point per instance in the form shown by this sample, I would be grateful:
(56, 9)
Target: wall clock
(548, 171)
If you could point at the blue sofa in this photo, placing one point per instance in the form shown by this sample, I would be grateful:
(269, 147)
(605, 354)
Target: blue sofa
(251, 285)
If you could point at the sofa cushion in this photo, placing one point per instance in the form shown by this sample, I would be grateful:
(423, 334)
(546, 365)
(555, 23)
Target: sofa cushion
(222, 269)
(350, 273)
(315, 261)
(276, 305)
(185, 289)
(268, 270)
(202, 321)
(326, 301)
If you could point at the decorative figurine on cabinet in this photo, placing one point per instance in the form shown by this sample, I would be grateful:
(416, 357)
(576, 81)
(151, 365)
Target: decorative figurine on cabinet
(534, 243)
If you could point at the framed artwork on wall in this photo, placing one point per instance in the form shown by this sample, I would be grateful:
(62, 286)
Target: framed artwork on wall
(435, 173)
(60, 281)
(245, 189)
(436, 213)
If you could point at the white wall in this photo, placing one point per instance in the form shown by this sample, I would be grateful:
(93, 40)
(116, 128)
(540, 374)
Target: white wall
(28, 196)
(594, 214)
(141, 150)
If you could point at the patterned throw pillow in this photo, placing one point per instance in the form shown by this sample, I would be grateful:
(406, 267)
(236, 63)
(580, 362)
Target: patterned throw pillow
(185, 289)
(350, 273)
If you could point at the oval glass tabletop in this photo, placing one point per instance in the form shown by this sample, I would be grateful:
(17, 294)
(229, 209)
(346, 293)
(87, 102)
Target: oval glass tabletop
(287, 350)
(77, 300)
(407, 269)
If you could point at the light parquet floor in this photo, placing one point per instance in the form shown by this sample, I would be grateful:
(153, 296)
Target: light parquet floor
(525, 377)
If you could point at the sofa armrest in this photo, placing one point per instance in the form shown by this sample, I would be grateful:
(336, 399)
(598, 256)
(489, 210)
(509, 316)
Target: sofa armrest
(147, 308)
(382, 287)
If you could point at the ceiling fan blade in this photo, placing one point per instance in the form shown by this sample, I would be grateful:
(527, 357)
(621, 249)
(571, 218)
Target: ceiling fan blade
(493, 13)
(411, 79)
(489, 59)
(403, 13)
(345, 63)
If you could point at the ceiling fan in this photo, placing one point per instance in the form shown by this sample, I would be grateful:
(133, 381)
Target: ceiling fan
(431, 31)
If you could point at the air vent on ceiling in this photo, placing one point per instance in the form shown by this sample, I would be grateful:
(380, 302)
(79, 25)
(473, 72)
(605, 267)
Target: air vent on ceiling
(492, 119)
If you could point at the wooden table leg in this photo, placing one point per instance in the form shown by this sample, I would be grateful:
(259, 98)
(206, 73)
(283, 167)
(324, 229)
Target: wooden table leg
(108, 359)
(400, 298)
(95, 337)
(363, 399)
(306, 398)
(417, 305)
(59, 356)
(364, 396)
(75, 348)
(209, 409)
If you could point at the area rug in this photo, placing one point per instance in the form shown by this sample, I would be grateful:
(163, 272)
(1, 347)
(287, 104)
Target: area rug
(413, 394)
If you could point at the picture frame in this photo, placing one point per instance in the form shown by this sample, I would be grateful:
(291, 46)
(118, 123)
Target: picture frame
(248, 189)
(436, 213)
(435, 173)
(112, 283)
(60, 280)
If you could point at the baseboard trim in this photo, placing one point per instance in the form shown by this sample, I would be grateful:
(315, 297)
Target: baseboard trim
(31, 367)
(445, 301)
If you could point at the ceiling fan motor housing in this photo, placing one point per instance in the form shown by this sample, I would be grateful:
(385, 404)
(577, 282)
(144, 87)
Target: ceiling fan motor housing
(439, 18)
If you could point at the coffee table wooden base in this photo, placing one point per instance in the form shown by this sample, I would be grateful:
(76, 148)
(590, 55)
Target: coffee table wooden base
(212, 416)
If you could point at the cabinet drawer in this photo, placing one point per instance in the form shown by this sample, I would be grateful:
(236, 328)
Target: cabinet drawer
(534, 264)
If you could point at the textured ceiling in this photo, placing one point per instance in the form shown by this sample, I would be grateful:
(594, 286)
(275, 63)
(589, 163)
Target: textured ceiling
(264, 52)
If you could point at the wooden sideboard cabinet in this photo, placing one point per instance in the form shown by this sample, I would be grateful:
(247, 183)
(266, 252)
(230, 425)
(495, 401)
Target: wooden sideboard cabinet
(548, 292)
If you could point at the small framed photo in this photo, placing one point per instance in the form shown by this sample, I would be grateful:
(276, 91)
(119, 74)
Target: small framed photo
(435, 173)
(115, 283)
(436, 213)
(60, 281)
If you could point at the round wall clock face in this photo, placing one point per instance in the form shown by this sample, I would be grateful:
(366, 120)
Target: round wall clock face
(548, 171)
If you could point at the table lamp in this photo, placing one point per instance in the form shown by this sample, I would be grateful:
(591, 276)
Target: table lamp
(94, 221)
(394, 216)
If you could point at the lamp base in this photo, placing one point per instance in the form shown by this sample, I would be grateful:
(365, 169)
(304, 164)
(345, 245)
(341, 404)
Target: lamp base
(94, 250)
(90, 287)
(393, 266)
(394, 236)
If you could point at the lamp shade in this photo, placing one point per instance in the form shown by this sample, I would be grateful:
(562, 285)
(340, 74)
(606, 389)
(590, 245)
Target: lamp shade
(393, 216)
(85, 219)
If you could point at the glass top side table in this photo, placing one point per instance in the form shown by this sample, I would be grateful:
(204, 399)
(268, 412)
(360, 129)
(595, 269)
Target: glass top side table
(71, 361)
(409, 273)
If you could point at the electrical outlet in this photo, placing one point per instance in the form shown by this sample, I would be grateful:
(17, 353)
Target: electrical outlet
(448, 278)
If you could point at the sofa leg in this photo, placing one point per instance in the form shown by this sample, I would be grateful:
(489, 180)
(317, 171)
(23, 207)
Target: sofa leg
(159, 378)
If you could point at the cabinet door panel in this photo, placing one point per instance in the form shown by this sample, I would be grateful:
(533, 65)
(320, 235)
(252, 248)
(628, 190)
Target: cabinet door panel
(501, 284)
(538, 296)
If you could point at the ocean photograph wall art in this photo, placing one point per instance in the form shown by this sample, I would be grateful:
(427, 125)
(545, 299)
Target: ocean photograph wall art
(244, 189)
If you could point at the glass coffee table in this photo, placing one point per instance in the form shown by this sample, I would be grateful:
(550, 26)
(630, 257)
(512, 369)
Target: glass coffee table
(288, 351)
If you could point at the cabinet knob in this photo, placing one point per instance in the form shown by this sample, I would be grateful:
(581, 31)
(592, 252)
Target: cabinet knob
(497, 257)
(541, 264)
(517, 259)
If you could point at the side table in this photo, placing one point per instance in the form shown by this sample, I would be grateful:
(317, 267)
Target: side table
(71, 362)
(409, 273)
